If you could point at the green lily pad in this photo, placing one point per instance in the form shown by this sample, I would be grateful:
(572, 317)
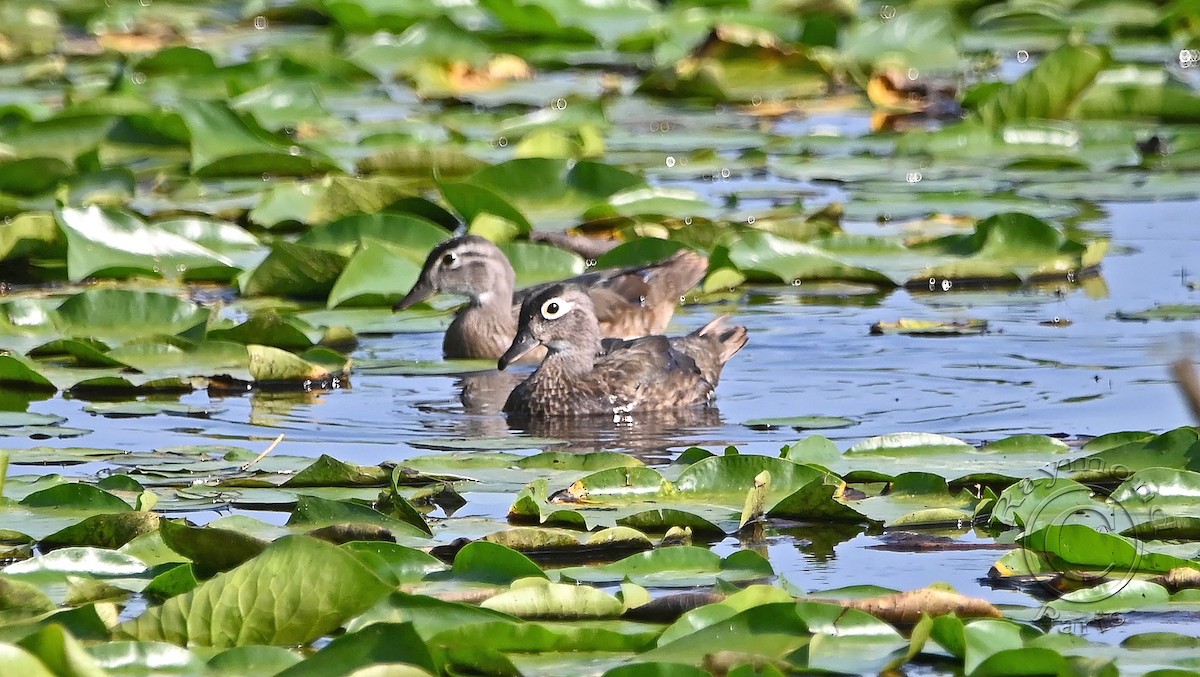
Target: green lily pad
(764, 257)
(535, 263)
(1169, 312)
(799, 422)
(553, 193)
(28, 234)
(277, 330)
(386, 643)
(409, 233)
(260, 602)
(15, 419)
(224, 144)
(910, 327)
(773, 630)
(296, 271)
(423, 367)
(119, 315)
(110, 530)
(555, 600)
(326, 199)
(108, 242)
(1049, 90)
(678, 566)
(149, 408)
(1080, 546)
(484, 562)
(21, 372)
(312, 512)
(377, 274)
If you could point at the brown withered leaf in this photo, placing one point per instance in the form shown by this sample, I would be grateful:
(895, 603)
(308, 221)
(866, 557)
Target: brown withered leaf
(722, 662)
(756, 499)
(908, 607)
(463, 77)
(1178, 578)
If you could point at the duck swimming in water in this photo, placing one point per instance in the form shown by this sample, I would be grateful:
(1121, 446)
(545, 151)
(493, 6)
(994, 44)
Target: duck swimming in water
(628, 302)
(585, 375)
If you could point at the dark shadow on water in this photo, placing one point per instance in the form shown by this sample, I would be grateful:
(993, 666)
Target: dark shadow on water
(638, 434)
(483, 394)
(818, 294)
(818, 542)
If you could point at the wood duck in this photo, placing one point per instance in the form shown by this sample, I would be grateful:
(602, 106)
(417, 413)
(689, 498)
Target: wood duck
(629, 302)
(583, 374)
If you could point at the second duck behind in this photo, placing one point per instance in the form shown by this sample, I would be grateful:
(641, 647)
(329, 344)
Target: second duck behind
(629, 302)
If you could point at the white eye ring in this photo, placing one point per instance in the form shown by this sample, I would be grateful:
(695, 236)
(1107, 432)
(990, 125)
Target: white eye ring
(449, 259)
(556, 308)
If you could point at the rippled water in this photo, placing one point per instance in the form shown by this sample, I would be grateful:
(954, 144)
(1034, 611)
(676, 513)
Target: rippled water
(809, 353)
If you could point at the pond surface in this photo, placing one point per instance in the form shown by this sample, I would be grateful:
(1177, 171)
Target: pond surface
(809, 354)
(295, 162)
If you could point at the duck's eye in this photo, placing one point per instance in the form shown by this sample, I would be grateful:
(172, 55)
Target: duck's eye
(449, 259)
(555, 308)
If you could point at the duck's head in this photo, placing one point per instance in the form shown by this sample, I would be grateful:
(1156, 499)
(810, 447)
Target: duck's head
(560, 317)
(469, 266)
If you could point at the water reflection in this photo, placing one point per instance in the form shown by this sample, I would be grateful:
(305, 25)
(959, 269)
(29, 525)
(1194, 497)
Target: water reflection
(818, 542)
(275, 409)
(648, 434)
(485, 392)
(639, 434)
(19, 400)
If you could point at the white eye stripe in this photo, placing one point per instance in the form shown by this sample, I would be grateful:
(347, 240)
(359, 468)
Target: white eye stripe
(556, 308)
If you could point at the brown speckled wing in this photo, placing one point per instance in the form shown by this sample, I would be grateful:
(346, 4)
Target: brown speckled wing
(650, 373)
(637, 300)
(645, 374)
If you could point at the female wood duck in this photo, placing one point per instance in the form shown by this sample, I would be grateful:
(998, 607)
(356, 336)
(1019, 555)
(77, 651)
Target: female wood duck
(584, 375)
(629, 302)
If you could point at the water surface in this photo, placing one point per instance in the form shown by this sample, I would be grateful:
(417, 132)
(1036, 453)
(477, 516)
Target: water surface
(809, 353)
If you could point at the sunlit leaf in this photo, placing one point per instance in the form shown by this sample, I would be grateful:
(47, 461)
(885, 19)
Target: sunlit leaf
(295, 591)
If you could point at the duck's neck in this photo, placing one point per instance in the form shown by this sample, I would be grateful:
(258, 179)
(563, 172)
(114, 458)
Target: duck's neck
(485, 326)
(575, 359)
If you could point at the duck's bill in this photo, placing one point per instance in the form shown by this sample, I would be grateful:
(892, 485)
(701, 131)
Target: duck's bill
(421, 291)
(521, 346)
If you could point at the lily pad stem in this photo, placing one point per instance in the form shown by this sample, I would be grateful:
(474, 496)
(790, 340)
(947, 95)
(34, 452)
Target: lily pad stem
(263, 455)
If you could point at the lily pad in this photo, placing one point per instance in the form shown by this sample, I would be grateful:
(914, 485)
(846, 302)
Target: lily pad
(109, 242)
(799, 422)
(910, 327)
(119, 315)
(150, 408)
(1169, 312)
(294, 270)
(224, 144)
(679, 566)
(377, 274)
(260, 602)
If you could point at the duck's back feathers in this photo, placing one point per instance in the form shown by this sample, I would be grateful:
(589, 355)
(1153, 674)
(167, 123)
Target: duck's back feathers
(636, 300)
